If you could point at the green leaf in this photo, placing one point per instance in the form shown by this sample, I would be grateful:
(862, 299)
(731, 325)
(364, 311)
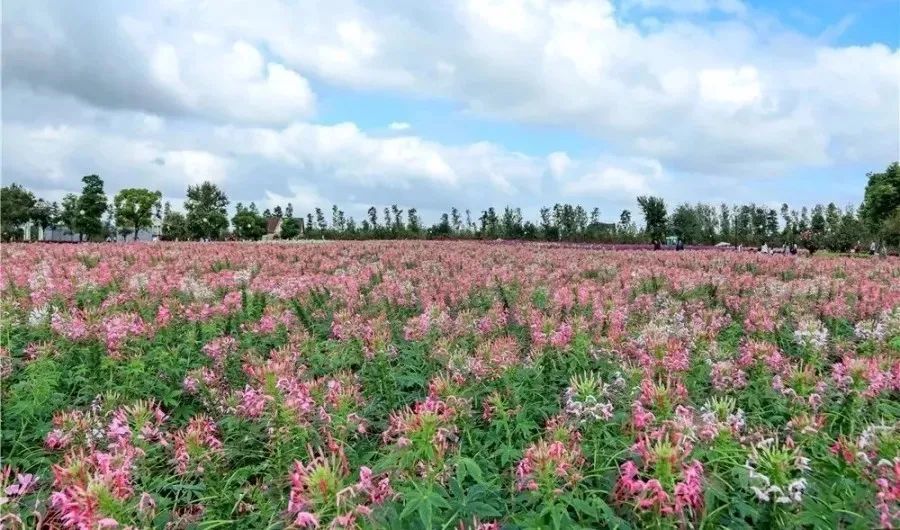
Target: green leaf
(582, 506)
(473, 469)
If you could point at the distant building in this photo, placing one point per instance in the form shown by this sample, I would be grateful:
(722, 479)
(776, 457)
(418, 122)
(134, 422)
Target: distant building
(273, 228)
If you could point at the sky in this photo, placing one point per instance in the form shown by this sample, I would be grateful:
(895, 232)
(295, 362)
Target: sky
(466, 103)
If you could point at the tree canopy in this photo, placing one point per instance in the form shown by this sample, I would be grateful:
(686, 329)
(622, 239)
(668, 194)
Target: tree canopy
(206, 210)
(655, 216)
(881, 204)
(16, 205)
(134, 208)
(92, 204)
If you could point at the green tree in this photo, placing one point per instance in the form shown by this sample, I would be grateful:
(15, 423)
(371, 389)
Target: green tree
(881, 203)
(455, 219)
(206, 214)
(44, 214)
(68, 215)
(686, 224)
(397, 214)
(92, 204)
(134, 208)
(848, 231)
(655, 217)
(247, 223)
(290, 228)
(174, 225)
(320, 220)
(16, 205)
(413, 224)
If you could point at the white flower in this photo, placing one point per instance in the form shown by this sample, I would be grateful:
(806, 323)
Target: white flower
(243, 276)
(760, 494)
(811, 332)
(38, 316)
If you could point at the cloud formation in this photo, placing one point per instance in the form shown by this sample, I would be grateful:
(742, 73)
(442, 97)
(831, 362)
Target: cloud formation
(672, 97)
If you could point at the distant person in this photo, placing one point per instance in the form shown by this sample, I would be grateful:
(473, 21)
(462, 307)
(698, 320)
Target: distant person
(873, 248)
(679, 245)
(765, 248)
(793, 249)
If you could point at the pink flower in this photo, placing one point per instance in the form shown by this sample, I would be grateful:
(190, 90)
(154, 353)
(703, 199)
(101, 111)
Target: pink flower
(196, 445)
(306, 520)
(689, 492)
(376, 491)
(562, 336)
(24, 483)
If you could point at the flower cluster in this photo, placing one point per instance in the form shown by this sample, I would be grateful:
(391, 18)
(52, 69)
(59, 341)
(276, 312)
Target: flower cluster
(322, 493)
(777, 473)
(553, 463)
(586, 399)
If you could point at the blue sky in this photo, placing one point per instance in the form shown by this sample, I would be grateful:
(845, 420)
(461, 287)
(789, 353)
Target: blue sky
(467, 104)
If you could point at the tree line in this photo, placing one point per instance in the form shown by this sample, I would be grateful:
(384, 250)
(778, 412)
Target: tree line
(93, 217)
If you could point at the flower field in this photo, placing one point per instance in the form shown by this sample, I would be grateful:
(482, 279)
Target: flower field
(446, 385)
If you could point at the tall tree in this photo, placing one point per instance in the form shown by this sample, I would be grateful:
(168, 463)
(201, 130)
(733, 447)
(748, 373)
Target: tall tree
(174, 225)
(685, 224)
(92, 204)
(248, 223)
(16, 205)
(44, 214)
(772, 223)
(455, 220)
(134, 208)
(881, 204)
(69, 212)
(290, 227)
(413, 224)
(655, 217)
(320, 220)
(398, 217)
(206, 213)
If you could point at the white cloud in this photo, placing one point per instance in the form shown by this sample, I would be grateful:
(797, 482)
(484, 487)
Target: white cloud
(734, 7)
(735, 86)
(233, 82)
(348, 154)
(213, 90)
(559, 162)
(303, 197)
(197, 166)
(50, 157)
(613, 178)
(608, 181)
